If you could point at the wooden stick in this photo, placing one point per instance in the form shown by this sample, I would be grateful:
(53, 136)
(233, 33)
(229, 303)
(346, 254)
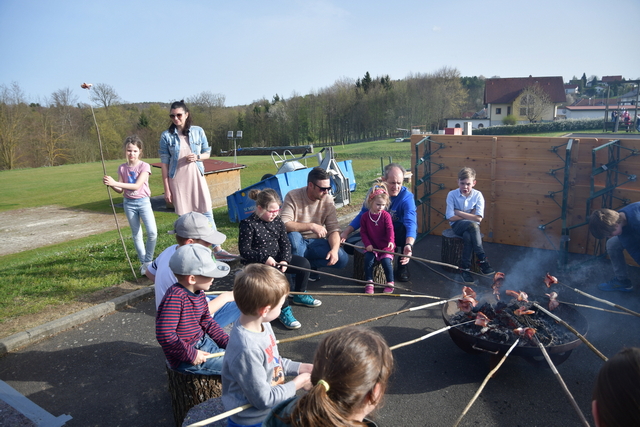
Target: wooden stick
(113, 208)
(326, 331)
(366, 282)
(562, 383)
(443, 264)
(347, 294)
(604, 301)
(424, 337)
(572, 329)
(221, 416)
(484, 383)
(595, 308)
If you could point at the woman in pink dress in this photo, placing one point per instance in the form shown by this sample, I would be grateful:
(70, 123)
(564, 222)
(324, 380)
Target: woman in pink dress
(183, 147)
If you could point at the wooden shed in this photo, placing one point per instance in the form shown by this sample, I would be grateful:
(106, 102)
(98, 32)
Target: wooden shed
(223, 178)
(539, 192)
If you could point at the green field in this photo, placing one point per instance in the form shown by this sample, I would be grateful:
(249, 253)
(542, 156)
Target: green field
(65, 273)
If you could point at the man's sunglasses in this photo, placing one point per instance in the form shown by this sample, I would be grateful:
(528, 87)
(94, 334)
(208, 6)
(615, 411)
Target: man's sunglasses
(327, 189)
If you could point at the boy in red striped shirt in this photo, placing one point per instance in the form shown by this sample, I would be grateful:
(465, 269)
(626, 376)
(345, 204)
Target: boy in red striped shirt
(184, 327)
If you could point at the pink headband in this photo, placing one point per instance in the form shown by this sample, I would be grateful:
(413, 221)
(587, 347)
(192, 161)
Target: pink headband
(376, 192)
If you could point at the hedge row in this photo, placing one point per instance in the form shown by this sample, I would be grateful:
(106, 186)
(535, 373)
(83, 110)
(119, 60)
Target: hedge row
(555, 126)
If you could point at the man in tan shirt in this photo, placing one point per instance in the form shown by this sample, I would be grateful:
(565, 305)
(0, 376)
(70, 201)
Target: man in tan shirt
(309, 215)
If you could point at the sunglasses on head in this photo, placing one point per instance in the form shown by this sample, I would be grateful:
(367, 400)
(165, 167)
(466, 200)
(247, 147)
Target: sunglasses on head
(321, 188)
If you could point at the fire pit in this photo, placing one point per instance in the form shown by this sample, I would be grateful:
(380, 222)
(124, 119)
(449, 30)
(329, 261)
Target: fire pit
(499, 336)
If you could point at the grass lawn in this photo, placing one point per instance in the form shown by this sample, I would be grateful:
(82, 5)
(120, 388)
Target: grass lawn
(67, 273)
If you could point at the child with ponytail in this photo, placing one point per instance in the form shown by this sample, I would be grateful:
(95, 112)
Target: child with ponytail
(350, 372)
(376, 230)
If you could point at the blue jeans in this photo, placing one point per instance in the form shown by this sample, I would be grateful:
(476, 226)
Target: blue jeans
(370, 259)
(400, 232)
(616, 254)
(138, 210)
(209, 215)
(227, 314)
(315, 250)
(212, 366)
(470, 233)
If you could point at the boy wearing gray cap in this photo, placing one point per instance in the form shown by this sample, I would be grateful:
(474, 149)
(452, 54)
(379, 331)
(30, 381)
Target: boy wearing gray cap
(184, 327)
(190, 228)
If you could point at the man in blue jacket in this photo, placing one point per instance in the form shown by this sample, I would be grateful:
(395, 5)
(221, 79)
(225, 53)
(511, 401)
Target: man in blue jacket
(403, 213)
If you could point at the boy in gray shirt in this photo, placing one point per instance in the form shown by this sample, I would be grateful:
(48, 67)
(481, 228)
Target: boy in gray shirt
(253, 371)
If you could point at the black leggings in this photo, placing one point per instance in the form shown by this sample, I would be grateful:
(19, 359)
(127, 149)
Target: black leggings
(300, 277)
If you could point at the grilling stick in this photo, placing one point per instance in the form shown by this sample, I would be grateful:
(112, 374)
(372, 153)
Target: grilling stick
(429, 335)
(348, 294)
(242, 408)
(104, 171)
(443, 264)
(220, 416)
(604, 301)
(562, 384)
(339, 277)
(484, 383)
(589, 306)
(572, 329)
(326, 331)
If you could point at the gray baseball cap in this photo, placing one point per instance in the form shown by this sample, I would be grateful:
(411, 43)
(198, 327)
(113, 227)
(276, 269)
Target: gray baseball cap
(197, 260)
(194, 225)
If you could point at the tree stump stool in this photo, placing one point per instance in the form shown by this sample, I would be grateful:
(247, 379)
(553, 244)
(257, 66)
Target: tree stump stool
(188, 390)
(204, 411)
(358, 268)
(451, 252)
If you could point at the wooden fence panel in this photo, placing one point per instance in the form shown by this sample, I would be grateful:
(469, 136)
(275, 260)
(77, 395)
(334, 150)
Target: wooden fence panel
(522, 180)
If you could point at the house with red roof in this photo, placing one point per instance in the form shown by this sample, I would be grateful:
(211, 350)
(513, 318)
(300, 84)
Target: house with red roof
(502, 97)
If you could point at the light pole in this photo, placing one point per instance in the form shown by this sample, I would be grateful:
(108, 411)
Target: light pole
(235, 151)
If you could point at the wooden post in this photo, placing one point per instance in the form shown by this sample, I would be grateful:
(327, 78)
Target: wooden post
(358, 268)
(188, 390)
(451, 252)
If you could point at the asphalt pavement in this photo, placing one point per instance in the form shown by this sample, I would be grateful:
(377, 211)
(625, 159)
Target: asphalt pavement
(110, 371)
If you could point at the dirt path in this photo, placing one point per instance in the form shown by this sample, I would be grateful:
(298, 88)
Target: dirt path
(31, 228)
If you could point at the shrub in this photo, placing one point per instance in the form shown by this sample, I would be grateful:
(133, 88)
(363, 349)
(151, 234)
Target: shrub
(555, 126)
(509, 120)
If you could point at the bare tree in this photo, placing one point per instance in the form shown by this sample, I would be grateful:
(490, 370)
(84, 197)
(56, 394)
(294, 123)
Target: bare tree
(63, 100)
(534, 103)
(14, 116)
(208, 99)
(50, 139)
(104, 95)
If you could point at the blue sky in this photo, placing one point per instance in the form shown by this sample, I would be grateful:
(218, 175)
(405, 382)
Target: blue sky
(249, 49)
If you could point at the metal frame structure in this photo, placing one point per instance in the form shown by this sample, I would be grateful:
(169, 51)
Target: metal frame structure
(564, 205)
(616, 154)
(429, 168)
(425, 169)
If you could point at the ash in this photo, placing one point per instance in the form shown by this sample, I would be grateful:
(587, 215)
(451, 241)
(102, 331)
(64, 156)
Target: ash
(503, 321)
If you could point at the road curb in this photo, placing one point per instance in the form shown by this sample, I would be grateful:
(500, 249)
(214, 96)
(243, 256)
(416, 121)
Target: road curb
(37, 333)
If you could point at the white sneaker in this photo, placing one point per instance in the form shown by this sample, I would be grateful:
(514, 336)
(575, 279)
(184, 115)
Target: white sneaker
(143, 268)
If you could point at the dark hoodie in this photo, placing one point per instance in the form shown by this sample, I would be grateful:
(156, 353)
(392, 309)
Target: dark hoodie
(282, 410)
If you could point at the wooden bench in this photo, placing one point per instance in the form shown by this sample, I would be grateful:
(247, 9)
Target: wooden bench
(451, 252)
(189, 390)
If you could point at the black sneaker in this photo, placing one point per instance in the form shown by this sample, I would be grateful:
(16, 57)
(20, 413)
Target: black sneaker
(402, 274)
(466, 275)
(485, 267)
(314, 276)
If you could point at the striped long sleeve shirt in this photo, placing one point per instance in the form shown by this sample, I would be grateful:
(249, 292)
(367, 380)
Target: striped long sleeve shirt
(182, 320)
